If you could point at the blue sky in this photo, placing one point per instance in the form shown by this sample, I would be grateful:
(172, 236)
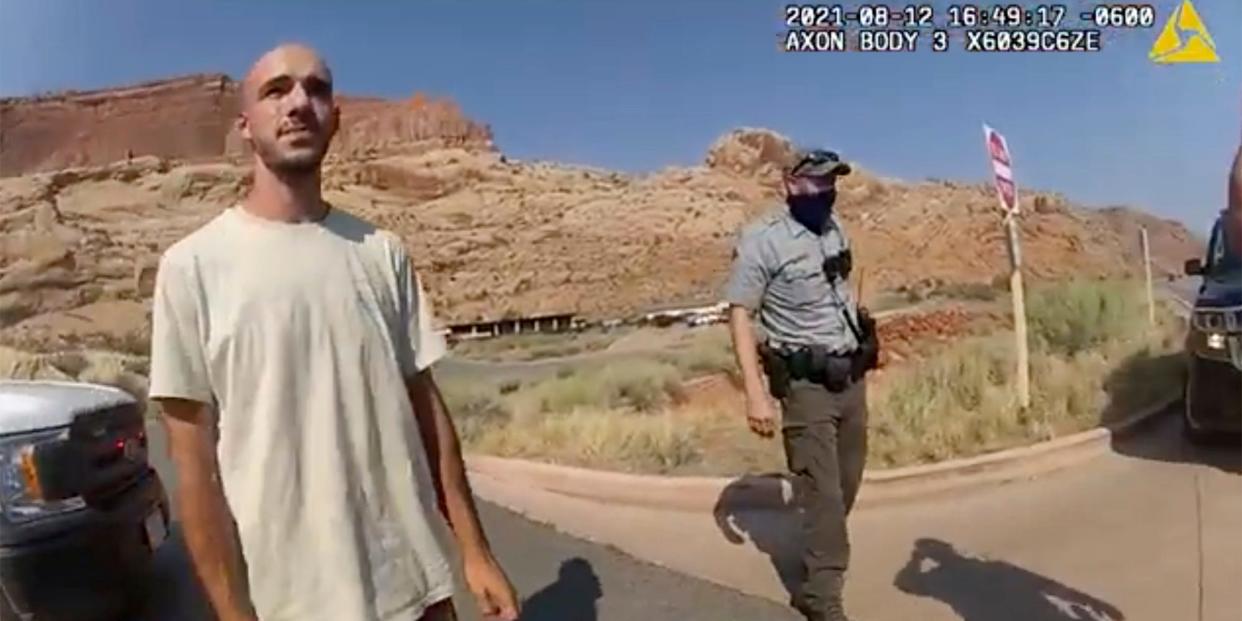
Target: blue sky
(640, 85)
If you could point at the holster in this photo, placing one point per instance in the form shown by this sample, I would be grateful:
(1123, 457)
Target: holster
(813, 364)
(777, 370)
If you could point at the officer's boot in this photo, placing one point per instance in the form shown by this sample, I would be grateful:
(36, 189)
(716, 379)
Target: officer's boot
(834, 609)
(832, 606)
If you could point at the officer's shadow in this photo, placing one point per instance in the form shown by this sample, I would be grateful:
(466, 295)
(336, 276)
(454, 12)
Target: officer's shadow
(984, 590)
(751, 507)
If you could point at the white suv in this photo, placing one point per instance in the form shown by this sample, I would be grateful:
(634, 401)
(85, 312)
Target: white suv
(81, 509)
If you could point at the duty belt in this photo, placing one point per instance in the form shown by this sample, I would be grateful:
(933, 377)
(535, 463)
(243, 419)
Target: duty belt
(810, 362)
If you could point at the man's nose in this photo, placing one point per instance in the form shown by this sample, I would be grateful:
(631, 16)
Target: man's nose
(298, 100)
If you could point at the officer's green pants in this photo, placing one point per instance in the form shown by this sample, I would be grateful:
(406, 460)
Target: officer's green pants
(825, 447)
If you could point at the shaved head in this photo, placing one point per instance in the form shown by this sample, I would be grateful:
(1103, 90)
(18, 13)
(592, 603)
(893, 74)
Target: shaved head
(281, 60)
(288, 114)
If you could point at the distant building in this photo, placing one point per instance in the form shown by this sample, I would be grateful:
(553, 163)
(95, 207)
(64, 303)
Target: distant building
(689, 315)
(560, 322)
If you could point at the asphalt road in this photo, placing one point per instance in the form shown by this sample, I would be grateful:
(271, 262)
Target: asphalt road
(1150, 528)
(559, 577)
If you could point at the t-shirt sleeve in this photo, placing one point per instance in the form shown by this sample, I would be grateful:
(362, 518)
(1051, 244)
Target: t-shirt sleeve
(748, 277)
(178, 363)
(420, 345)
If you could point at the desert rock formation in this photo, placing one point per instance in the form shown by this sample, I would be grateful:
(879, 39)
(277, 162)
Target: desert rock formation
(493, 237)
(191, 119)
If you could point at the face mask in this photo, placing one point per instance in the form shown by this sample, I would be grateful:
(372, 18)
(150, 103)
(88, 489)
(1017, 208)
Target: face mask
(812, 210)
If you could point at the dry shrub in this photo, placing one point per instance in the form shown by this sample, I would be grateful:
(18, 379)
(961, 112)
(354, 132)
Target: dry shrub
(1093, 354)
(20, 365)
(640, 384)
(598, 438)
(475, 407)
(709, 351)
(1093, 358)
(1068, 318)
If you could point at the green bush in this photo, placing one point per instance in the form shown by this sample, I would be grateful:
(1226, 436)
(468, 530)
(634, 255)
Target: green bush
(963, 400)
(1077, 316)
(598, 438)
(952, 403)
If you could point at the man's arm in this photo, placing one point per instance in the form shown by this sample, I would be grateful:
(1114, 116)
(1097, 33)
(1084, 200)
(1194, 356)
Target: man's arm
(181, 384)
(746, 351)
(748, 280)
(760, 415)
(491, 587)
(447, 468)
(210, 533)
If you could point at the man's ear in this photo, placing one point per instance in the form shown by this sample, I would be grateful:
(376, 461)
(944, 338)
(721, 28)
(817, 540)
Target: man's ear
(243, 126)
(336, 120)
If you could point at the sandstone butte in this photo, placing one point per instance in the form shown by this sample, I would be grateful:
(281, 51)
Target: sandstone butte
(94, 185)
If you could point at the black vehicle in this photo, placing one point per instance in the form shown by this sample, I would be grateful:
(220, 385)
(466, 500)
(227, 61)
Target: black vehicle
(81, 509)
(1214, 342)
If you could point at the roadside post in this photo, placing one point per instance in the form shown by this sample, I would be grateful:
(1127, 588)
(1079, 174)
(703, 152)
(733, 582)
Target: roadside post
(1151, 297)
(1007, 195)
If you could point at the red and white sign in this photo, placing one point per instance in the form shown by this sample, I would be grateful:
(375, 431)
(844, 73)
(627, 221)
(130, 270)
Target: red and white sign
(1002, 169)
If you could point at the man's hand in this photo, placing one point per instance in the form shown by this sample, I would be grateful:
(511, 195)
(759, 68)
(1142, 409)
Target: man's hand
(491, 588)
(760, 415)
(486, 580)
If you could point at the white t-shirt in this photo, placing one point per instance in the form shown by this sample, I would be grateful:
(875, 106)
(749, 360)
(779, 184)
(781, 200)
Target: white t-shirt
(301, 335)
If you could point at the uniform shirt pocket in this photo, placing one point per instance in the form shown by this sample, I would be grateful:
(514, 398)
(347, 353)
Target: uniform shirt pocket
(800, 285)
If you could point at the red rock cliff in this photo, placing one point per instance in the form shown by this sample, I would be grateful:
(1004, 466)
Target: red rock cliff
(191, 118)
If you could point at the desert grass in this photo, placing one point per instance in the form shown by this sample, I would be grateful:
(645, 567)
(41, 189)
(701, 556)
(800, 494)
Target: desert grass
(625, 441)
(705, 351)
(641, 385)
(536, 345)
(1094, 358)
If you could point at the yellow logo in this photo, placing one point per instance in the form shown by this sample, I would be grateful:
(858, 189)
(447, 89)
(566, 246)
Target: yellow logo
(1184, 39)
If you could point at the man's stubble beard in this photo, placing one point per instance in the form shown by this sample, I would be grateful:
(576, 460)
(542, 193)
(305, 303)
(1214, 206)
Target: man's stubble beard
(300, 164)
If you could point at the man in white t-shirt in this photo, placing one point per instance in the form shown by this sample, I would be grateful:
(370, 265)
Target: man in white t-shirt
(321, 477)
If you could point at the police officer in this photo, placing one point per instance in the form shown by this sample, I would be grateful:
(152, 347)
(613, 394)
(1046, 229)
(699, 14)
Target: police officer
(815, 345)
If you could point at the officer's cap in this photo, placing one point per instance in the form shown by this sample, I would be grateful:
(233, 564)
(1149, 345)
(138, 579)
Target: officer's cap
(817, 163)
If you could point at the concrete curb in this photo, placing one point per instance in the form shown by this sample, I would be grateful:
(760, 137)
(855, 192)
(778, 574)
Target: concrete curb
(770, 492)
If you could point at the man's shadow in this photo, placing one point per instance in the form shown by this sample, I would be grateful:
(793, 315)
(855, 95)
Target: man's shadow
(573, 597)
(985, 590)
(751, 507)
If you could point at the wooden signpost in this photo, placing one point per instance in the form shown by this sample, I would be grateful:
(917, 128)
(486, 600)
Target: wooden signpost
(1007, 194)
(1151, 295)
